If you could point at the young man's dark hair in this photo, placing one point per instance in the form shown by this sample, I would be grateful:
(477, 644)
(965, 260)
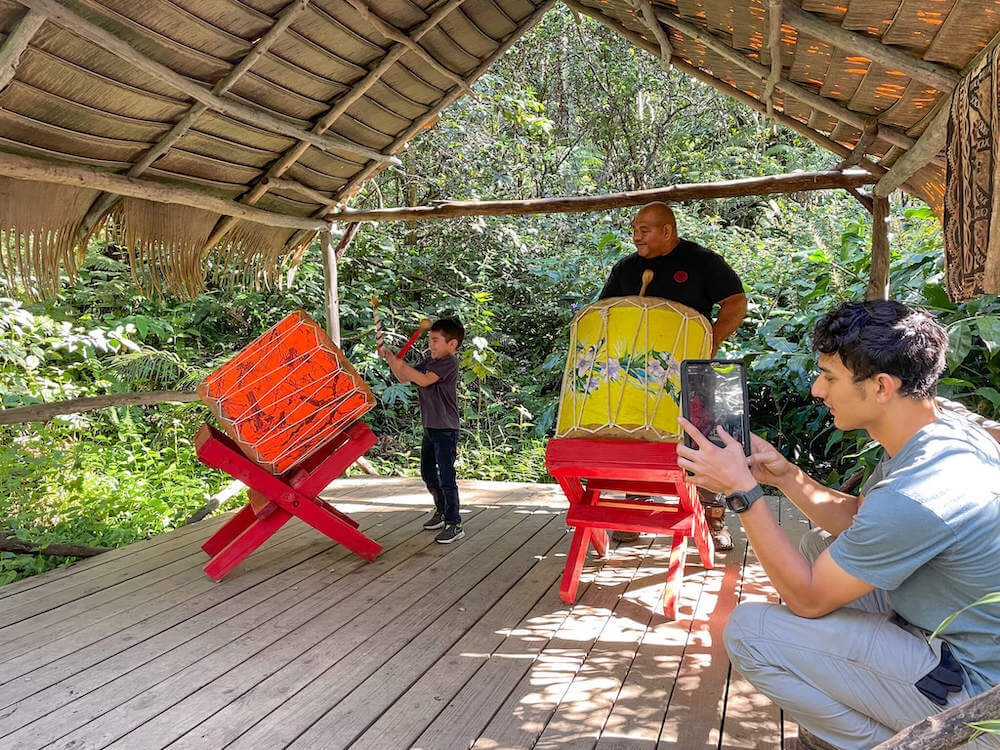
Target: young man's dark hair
(451, 328)
(885, 336)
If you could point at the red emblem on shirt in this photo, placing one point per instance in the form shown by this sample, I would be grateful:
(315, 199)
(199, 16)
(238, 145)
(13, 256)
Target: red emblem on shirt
(680, 276)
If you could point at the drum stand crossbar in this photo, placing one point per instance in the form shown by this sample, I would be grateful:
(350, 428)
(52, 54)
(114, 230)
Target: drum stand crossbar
(276, 498)
(586, 469)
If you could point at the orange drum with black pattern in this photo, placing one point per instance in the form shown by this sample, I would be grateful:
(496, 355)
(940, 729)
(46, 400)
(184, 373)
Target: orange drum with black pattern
(286, 394)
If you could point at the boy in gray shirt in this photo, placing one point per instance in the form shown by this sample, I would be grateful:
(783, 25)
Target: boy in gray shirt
(847, 653)
(437, 378)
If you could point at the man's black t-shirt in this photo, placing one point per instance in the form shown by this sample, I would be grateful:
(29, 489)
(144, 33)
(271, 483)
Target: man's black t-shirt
(689, 274)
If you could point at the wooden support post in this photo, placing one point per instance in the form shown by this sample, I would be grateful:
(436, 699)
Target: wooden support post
(878, 280)
(16, 43)
(774, 45)
(330, 295)
(252, 114)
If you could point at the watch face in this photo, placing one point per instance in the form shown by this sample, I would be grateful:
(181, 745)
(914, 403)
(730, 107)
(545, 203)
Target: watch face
(738, 502)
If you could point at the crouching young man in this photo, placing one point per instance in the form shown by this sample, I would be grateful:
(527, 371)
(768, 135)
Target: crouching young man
(847, 654)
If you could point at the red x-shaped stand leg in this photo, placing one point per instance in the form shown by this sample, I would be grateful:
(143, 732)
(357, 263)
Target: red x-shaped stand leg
(587, 468)
(275, 499)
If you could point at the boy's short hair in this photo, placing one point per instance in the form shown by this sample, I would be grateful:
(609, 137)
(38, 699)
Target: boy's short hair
(450, 328)
(885, 336)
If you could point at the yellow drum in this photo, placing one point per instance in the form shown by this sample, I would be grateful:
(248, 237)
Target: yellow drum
(622, 378)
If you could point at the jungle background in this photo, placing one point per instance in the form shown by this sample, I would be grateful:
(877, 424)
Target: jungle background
(570, 110)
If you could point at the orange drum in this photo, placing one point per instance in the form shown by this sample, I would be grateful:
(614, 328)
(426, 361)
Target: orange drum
(286, 394)
(622, 378)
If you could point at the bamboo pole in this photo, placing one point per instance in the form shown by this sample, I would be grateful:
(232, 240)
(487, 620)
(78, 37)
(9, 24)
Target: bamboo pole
(939, 76)
(104, 202)
(878, 276)
(770, 185)
(26, 168)
(251, 114)
(16, 43)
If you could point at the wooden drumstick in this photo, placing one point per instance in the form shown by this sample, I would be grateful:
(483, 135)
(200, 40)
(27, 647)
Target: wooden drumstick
(425, 325)
(647, 276)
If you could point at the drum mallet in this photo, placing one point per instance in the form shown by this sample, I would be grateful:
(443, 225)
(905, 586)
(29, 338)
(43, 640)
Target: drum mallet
(425, 325)
(647, 276)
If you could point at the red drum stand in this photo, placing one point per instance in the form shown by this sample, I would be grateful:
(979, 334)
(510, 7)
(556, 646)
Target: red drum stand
(585, 469)
(276, 498)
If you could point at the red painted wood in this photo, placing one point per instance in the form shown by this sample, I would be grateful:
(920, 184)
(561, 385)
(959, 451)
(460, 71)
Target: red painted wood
(586, 469)
(252, 537)
(292, 494)
(675, 575)
(574, 564)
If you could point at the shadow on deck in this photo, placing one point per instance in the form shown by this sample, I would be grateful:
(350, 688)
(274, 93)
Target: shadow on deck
(430, 646)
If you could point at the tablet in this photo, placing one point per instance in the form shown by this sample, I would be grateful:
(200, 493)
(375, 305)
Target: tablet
(714, 394)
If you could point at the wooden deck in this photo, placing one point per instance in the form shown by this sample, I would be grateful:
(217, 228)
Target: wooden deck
(430, 646)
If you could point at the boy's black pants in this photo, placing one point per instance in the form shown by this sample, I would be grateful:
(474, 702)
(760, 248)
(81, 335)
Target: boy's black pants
(437, 468)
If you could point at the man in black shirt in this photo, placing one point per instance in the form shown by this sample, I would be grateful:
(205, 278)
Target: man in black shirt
(692, 275)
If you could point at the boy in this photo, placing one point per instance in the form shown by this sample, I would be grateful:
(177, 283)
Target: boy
(437, 376)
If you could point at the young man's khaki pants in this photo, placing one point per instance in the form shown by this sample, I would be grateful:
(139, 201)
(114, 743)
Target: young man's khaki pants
(847, 677)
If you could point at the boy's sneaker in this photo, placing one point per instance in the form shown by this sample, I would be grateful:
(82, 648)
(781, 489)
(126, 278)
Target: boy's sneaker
(451, 532)
(436, 521)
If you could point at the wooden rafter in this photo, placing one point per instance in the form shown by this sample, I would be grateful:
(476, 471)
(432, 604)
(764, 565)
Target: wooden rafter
(662, 37)
(253, 114)
(27, 168)
(939, 76)
(16, 43)
(769, 185)
(725, 88)
(796, 91)
(284, 163)
(869, 135)
(934, 137)
(418, 125)
(391, 32)
(774, 44)
(105, 201)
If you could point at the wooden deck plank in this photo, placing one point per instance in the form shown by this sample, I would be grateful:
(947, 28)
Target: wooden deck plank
(527, 711)
(466, 715)
(640, 706)
(101, 638)
(369, 640)
(488, 606)
(751, 720)
(51, 713)
(429, 647)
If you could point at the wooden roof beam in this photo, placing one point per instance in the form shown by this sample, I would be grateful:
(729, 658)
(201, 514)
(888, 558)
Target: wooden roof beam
(252, 114)
(934, 137)
(391, 32)
(26, 168)
(769, 185)
(292, 155)
(796, 91)
(940, 77)
(661, 34)
(725, 88)
(16, 43)
(105, 201)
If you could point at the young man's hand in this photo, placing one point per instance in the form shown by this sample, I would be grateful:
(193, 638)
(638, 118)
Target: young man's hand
(385, 354)
(767, 464)
(716, 469)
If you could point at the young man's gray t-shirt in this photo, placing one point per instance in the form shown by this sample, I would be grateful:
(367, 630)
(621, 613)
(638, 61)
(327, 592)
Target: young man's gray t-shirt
(928, 532)
(439, 401)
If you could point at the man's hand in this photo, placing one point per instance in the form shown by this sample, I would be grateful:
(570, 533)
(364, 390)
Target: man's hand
(767, 464)
(385, 354)
(716, 469)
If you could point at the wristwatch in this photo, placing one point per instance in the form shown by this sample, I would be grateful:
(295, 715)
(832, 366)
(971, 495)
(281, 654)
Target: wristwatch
(740, 502)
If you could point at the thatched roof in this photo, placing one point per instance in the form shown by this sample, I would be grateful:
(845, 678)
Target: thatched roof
(237, 127)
